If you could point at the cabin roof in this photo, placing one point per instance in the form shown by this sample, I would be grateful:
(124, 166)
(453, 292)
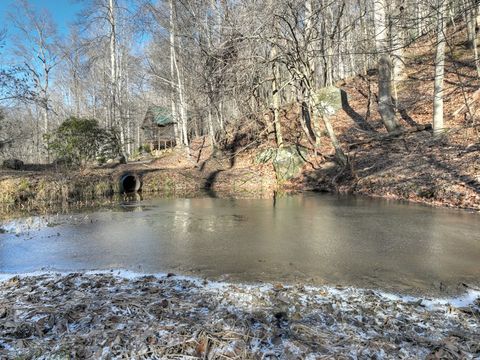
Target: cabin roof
(159, 116)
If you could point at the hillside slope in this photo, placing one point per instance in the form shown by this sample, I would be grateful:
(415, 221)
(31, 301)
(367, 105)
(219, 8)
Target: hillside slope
(412, 166)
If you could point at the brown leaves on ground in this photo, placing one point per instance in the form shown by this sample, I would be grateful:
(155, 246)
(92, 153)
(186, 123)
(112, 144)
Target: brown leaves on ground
(413, 166)
(101, 316)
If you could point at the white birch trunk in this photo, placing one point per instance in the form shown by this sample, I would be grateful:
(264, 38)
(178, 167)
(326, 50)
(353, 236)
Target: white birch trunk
(182, 104)
(178, 136)
(438, 126)
(113, 62)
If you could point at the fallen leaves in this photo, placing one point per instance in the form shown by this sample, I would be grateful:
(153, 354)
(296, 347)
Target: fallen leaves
(102, 316)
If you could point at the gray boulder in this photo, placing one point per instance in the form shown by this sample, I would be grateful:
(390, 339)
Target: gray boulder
(328, 100)
(287, 161)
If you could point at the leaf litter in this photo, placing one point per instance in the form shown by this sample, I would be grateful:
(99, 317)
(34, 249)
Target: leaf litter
(118, 315)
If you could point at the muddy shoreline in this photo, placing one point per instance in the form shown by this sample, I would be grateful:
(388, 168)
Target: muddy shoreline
(27, 193)
(45, 191)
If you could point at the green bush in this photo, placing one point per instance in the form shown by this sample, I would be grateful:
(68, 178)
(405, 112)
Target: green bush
(79, 141)
(146, 148)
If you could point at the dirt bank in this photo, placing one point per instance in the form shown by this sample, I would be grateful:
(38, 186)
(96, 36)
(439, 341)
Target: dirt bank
(172, 174)
(412, 167)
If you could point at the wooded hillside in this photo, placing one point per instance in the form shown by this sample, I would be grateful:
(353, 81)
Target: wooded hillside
(236, 67)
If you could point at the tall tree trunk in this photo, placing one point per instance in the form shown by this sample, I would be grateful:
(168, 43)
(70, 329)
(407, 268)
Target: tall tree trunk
(276, 99)
(45, 95)
(364, 30)
(469, 9)
(173, 100)
(396, 46)
(113, 62)
(209, 36)
(385, 104)
(309, 35)
(472, 14)
(45, 117)
(439, 70)
(182, 105)
(120, 113)
(276, 87)
(179, 85)
(220, 116)
(308, 75)
(126, 112)
(210, 124)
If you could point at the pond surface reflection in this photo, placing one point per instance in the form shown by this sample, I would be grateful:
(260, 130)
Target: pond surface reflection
(303, 238)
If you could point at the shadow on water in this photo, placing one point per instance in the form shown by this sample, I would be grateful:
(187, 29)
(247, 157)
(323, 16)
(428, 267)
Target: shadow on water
(210, 182)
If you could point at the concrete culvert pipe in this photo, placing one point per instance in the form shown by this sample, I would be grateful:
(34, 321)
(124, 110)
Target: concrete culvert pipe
(129, 183)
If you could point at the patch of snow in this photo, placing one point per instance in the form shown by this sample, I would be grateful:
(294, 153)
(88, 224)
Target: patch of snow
(249, 292)
(6, 346)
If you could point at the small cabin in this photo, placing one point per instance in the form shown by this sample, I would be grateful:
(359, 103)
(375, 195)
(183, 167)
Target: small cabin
(159, 128)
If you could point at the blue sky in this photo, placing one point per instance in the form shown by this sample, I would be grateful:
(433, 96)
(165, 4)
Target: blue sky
(62, 11)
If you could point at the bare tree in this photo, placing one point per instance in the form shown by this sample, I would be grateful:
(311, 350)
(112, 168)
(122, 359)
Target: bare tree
(385, 103)
(222, 67)
(441, 6)
(36, 47)
(276, 83)
(111, 10)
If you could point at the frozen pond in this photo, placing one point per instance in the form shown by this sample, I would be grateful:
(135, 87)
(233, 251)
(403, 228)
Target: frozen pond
(319, 239)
